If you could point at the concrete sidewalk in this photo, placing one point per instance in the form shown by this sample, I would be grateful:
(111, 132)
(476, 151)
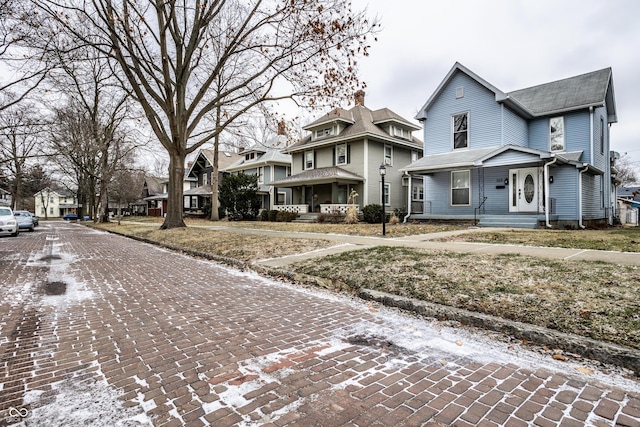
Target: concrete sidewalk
(430, 241)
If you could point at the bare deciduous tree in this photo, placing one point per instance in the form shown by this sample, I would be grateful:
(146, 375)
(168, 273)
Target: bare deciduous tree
(625, 171)
(186, 60)
(19, 143)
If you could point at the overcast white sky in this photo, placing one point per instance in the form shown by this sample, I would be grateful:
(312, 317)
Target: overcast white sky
(512, 44)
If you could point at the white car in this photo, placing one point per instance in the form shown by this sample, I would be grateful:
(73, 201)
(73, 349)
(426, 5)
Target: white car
(8, 223)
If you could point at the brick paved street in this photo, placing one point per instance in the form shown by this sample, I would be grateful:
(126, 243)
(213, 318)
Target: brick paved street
(99, 330)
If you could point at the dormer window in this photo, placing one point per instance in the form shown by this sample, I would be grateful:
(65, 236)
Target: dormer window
(400, 132)
(250, 156)
(324, 132)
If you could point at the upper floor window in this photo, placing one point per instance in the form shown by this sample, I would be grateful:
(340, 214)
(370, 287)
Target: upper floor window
(460, 188)
(414, 156)
(308, 159)
(601, 135)
(261, 175)
(556, 133)
(460, 131)
(249, 156)
(205, 179)
(324, 132)
(399, 132)
(341, 154)
(388, 154)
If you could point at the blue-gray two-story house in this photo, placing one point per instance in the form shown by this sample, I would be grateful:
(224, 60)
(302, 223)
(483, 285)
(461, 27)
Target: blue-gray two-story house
(536, 156)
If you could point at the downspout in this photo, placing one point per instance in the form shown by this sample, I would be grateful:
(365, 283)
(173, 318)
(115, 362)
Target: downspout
(547, 190)
(591, 154)
(586, 168)
(406, 217)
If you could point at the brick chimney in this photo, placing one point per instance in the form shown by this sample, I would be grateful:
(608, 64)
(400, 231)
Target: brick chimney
(359, 97)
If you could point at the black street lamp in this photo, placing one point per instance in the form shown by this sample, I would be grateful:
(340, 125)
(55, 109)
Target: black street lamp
(383, 172)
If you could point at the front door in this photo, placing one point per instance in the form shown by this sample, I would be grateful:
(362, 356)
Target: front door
(525, 188)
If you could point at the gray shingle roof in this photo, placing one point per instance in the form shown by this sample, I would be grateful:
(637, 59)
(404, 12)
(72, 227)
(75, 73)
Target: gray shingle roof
(329, 174)
(581, 91)
(360, 121)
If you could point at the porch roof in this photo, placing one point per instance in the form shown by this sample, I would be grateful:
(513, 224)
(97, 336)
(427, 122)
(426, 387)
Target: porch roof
(203, 190)
(163, 196)
(318, 176)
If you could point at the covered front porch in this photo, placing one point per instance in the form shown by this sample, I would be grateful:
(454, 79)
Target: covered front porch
(323, 190)
(495, 187)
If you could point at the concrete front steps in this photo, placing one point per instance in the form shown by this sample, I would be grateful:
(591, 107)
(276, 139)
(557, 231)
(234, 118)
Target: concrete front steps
(509, 221)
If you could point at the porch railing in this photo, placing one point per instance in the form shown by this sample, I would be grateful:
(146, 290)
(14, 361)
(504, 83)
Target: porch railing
(301, 209)
(335, 208)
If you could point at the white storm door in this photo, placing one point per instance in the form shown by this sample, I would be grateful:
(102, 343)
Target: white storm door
(525, 186)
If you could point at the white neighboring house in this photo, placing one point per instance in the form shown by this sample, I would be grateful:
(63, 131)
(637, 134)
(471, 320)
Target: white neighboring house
(55, 203)
(5, 197)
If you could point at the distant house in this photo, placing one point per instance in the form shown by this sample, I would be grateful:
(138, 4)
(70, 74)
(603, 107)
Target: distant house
(199, 173)
(539, 155)
(269, 163)
(52, 203)
(343, 152)
(629, 205)
(5, 197)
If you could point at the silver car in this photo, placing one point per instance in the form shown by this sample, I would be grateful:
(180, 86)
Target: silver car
(25, 220)
(8, 222)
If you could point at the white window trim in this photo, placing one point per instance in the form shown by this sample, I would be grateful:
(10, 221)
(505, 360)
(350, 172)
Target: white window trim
(323, 133)
(345, 154)
(453, 130)
(451, 188)
(386, 193)
(564, 135)
(419, 197)
(260, 175)
(306, 162)
(387, 161)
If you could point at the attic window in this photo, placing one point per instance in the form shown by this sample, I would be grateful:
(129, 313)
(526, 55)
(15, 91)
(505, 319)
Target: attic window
(324, 132)
(249, 156)
(459, 92)
(399, 132)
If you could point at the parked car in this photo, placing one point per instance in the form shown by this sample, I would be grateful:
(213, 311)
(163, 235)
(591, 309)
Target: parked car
(25, 220)
(36, 221)
(70, 217)
(8, 222)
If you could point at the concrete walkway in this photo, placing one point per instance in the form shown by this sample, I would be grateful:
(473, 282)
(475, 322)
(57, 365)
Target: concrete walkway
(346, 243)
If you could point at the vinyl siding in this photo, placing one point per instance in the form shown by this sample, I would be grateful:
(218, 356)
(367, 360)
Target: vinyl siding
(484, 121)
(515, 129)
(564, 191)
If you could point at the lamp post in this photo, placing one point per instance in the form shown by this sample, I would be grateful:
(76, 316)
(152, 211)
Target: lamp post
(383, 172)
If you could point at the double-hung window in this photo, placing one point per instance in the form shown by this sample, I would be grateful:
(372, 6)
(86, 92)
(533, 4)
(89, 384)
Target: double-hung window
(460, 124)
(418, 193)
(385, 193)
(556, 133)
(460, 188)
(308, 159)
(388, 155)
(341, 154)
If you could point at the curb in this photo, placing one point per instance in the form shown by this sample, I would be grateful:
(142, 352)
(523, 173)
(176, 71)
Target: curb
(603, 352)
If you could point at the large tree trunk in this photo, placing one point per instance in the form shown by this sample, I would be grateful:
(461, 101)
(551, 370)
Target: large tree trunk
(174, 218)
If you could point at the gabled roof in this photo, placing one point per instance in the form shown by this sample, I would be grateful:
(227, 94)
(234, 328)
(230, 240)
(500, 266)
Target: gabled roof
(205, 156)
(360, 122)
(271, 153)
(155, 184)
(592, 89)
(318, 176)
(458, 68)
(58, 192)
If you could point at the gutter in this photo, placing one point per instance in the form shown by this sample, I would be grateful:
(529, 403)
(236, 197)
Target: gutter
(546, 190)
